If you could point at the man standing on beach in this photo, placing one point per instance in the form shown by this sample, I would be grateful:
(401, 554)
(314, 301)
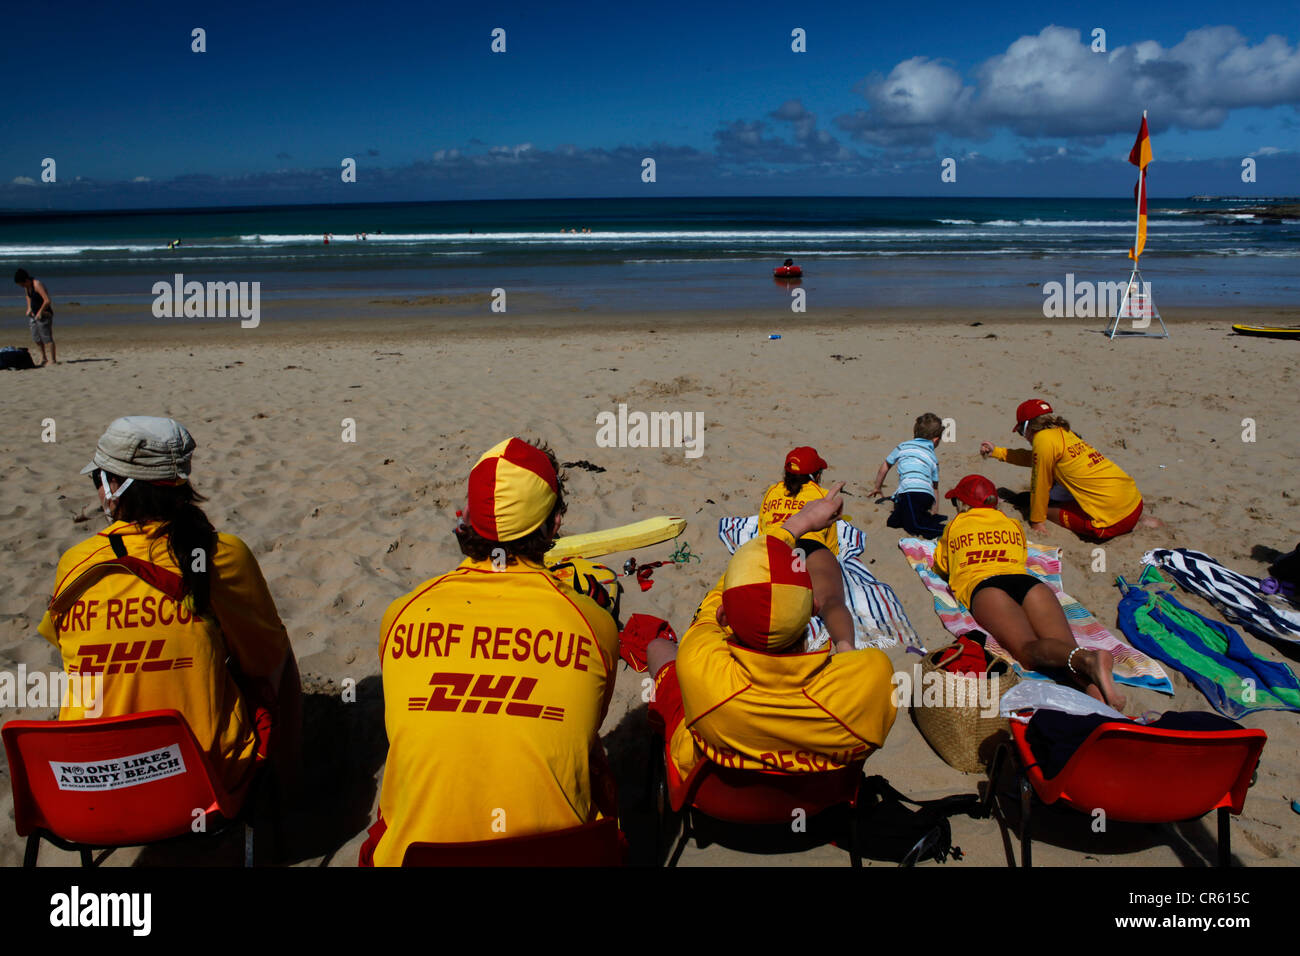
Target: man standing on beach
(496, 678)
(40, 313)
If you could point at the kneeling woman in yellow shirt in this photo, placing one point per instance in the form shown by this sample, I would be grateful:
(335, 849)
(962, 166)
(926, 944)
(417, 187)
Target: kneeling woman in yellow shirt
(982, 553)
(1100, 502)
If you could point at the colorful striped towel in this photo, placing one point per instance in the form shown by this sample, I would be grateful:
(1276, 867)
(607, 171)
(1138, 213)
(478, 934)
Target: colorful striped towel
(1237, 596)
(1212, 655)
(878, 616)
(1131, 666)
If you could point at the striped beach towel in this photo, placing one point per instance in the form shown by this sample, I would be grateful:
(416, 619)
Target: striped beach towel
(1212, 655)
(1132, 667)
(878, 616)
(1237, 596)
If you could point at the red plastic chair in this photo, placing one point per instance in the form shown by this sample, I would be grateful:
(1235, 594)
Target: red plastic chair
(1139, 774)
(592, 844)
(89, 752)
(761, 797)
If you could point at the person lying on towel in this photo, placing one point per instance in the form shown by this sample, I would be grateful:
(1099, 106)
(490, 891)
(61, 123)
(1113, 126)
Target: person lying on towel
(800, 484)
(982, 554)
(742, 692)
(1072, 484)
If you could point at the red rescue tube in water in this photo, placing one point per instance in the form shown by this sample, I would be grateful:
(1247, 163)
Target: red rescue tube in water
(787, 272)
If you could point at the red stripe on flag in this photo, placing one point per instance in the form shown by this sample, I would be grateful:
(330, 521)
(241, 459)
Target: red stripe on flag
(1135, 154)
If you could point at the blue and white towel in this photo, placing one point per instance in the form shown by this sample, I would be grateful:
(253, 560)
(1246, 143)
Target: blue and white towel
(1237, 596)
(878, 616)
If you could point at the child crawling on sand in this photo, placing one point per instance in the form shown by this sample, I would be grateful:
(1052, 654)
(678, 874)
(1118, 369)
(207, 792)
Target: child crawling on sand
(918, 479)
(982, 553)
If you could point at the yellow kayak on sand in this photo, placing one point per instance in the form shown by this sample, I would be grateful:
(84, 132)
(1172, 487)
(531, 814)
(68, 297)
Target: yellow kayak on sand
(626, 537)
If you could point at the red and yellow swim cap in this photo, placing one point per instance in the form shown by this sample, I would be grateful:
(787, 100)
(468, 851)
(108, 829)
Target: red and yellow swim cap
(767, 594)
(512, 490)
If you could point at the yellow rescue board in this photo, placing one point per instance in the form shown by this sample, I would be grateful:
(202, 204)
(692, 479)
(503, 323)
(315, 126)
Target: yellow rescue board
(1268, 331)
(626, 537)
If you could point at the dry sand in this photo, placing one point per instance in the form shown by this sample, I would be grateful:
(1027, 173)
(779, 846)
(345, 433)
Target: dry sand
(341, 528)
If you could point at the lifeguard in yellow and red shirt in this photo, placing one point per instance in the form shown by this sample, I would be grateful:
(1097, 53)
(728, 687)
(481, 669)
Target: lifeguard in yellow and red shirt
(1071, 483)
(741, 690)
(496, 678)
(982, 554)
(801, 484)
(168, 614)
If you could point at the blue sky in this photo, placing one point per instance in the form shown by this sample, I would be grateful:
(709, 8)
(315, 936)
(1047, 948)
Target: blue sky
(412, 91)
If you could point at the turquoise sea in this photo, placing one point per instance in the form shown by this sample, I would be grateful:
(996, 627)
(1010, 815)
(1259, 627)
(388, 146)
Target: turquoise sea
(695, 253)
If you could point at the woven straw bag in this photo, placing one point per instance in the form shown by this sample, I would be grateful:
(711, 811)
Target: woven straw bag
(957, 731)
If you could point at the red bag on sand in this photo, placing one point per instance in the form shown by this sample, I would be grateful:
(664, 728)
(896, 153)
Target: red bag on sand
(970, 659)
(641, 629)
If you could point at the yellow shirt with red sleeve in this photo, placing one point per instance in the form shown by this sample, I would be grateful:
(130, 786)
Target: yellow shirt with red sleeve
(495, 687)
(778, 505)
(154, 653)
(979, 544)
(752, 710)
(1102, 489)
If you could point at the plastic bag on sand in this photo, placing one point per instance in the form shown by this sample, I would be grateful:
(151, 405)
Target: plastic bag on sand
(1040, 693)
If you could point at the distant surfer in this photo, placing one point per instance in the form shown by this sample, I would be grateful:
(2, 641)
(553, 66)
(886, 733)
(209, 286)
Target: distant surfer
(174, 244)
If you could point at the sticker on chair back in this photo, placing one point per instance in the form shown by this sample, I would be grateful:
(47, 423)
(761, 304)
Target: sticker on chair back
(120, 772)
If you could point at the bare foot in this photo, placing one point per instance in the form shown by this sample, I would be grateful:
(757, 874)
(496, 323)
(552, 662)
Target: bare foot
(1098, 666)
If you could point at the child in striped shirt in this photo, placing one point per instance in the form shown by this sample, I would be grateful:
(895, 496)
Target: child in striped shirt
(918, 480)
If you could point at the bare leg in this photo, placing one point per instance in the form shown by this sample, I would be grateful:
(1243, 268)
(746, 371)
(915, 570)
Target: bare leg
(1048, 620)
(1038, 637)
(658, 653)
(42, 345)
(828, 591)
(54, 353)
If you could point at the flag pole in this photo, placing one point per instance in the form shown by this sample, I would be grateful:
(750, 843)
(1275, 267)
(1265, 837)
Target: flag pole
(1137, 212)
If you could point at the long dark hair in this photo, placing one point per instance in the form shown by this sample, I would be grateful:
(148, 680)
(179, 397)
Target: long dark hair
(184, 527)
(795, 482)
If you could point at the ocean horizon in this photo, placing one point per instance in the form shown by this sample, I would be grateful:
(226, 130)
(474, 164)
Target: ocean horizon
(679, 253)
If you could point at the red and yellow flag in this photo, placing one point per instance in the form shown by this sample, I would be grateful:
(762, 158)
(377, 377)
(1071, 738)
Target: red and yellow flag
(1140, 156)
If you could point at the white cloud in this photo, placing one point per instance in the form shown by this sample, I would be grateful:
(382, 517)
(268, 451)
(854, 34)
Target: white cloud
(23, 181)
(512, 151)
(1052, 85)
(918, 97)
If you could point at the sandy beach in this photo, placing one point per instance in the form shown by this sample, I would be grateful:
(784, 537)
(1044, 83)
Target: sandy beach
(342, 528)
